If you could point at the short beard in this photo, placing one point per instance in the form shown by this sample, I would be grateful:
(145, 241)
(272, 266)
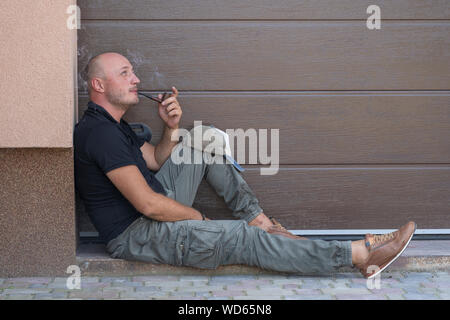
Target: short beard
(116, 100)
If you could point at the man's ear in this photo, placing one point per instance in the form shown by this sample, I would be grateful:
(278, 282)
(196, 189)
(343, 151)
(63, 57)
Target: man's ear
(97, 84)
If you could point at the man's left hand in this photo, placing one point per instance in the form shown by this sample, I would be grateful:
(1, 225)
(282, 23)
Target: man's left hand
(170, 110)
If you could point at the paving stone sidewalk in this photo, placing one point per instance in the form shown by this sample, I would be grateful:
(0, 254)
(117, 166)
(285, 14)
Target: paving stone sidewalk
(392, 286)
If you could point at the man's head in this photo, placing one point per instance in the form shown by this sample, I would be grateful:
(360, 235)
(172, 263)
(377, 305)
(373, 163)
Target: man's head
(111, 79)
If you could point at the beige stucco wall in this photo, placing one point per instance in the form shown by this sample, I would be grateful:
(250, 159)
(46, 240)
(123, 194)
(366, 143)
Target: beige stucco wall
(37, 105)
(37, 63)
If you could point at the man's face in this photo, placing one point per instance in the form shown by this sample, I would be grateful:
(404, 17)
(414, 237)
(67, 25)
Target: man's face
(121, 83)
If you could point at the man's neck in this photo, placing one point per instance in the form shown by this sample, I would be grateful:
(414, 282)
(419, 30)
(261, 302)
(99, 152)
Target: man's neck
(115, 112)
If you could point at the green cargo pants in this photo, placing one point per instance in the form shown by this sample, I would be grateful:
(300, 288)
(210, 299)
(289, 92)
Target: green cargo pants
(208, 244)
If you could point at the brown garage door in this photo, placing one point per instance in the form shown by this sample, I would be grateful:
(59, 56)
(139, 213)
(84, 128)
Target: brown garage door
(363, 115)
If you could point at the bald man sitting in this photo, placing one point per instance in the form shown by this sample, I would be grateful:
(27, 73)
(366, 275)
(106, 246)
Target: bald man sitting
(140, 201)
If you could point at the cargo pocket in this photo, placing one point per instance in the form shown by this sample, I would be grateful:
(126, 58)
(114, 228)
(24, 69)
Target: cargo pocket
(204, 248)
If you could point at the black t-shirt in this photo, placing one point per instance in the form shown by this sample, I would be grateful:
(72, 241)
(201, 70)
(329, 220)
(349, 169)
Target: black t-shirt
(102, 144)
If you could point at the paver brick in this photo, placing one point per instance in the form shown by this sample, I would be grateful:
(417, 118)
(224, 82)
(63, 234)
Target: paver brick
(290, 286)
(275, 277)
(220, 298)
(59, 280)
(180, 298)
(259, 282)
(149, 279)
(92, 294)
(420, 296)
(51, 295)
(200, 288)
(169, 290)
(94, 285)
(162, 278)
(135, 297)
(430, 291)
(307, 292)
(238, 277)
(144, 294)
(119, 289)
(347, 276)
(444, 296)
(38, 285)
(202, 294)
(287, 281)
(16, 291)
(310, 297)
(413, 290)
(194, 278)
(228, 293)
(89, 279)
(154, 287)
(395, 296)
(358, 285)
(361, 297)
(340, 284)
(30, 280)
(9, 285)
(127, 284)
(170, 283)
(256, 297)
(147, 289)
(343, 291)
(115, 279)
(405, 286)
(417, 276)
(241, 286)
(20, 297)
(387, 291)
(59, 285)
(393, 274)
(314, 284)
(270, 292)
(225, 283)
(437, 284)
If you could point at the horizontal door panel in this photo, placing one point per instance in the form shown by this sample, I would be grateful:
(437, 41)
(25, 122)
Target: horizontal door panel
(345, 197)
(279, 56)
(319, 128)
(261, 9)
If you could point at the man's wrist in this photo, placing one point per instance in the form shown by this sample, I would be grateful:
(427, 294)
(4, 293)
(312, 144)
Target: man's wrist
(172, 135)
(202, 216)
(172, 129)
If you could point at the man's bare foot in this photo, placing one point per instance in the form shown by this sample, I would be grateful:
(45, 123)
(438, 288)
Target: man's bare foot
(261, 221)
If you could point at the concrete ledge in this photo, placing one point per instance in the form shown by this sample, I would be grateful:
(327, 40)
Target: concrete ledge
(94, 261)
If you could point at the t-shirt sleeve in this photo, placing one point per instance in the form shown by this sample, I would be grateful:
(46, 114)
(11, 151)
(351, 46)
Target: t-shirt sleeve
(110, 148)
(141, 141)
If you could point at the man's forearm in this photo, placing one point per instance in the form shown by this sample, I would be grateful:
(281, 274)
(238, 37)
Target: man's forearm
(162, 208)
(164, 148)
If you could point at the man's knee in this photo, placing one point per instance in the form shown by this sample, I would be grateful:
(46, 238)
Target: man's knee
(203, 247)
(182, 154)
